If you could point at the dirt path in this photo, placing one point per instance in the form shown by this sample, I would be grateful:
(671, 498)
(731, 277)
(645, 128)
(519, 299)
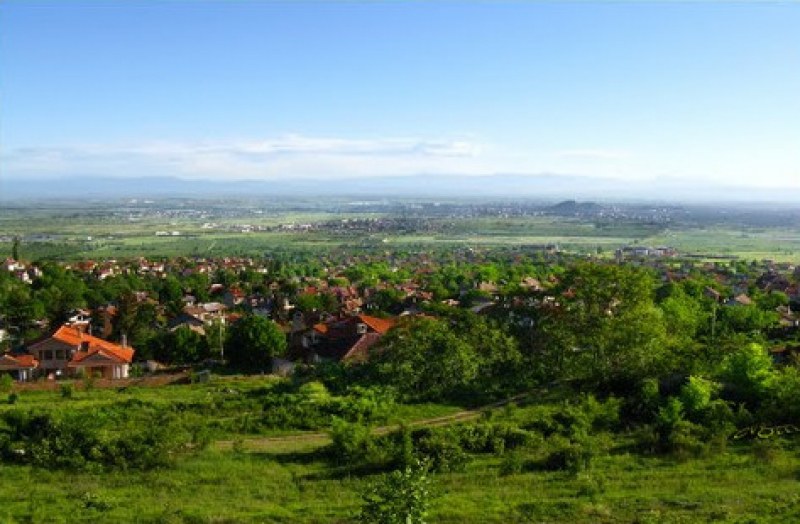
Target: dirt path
(322, 437)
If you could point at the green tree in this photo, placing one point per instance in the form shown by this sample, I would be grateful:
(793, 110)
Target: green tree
(696, 395)
(497, 353)
(425, 359)
(170, 294)
(684, 315)
(253, 342)
(604, 325)
(748, 371)
(60, 291)
(15, 249)
(401, 497)
(182, 346)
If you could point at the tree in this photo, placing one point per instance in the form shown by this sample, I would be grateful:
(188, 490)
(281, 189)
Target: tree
(744, 319)
(15, 249)
(497, 352)
(253, 342)
(683, 314)
(401, 497)
(171, 295)
(135, 319)
(748, 372)
(425, 359)
(604, 325)
(183, 346)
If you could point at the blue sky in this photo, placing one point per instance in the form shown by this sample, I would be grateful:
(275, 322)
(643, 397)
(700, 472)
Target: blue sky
(244, 90)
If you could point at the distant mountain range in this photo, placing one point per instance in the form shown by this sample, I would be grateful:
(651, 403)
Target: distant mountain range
(550, 187)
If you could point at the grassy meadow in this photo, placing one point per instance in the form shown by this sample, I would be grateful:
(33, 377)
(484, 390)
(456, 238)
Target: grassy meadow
(265, 479)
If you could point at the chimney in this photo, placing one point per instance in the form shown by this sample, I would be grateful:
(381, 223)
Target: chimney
(124, 340)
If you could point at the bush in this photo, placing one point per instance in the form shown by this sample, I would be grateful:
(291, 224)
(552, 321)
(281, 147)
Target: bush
(574, 456)
(67, 390)
(676, 434)
(352, 443)
(314, 392)
(748, 373)
(647, 439)
(313, 408)
(766, 450)
(512, 463)
(6, 383)
(442, 450)
(491, 437)
(696, 395)
(78, 441)
(684, 440)
(401, 497)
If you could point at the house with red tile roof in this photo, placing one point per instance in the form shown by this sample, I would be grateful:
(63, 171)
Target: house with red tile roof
(20, 367)
(69, 350)
(346, 339)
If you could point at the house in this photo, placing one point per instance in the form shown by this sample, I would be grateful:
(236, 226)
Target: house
(344, 340)
(70, 350)
(189, 321)
(712, 293)
(207, 312)
(784, 354)
(20, 367)
(740, 300)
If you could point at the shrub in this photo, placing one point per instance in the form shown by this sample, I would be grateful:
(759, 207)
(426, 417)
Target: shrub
(6, 383)
(89, 381)
(491, 437)
(401, 497)
(647, 439)
(315, 392)
(748, 373)
(676, 434)
(696, 395)
(78, 441)
(574, 456)
(351, 443)
(67, 390)
(512, 463)
(684, 440)
(441, 449)
(766, 450)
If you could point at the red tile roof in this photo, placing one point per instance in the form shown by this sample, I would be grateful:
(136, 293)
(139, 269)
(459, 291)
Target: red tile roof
(10, 362)
(90, 345)
(380, 325)
(359, 352)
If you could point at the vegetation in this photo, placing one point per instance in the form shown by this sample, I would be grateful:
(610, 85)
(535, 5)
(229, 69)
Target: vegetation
(520, 384)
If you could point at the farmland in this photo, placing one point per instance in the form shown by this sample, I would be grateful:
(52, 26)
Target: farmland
(251, 228)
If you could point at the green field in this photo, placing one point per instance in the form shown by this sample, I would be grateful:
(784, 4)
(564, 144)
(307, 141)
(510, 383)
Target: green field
(85, 236)
(288, 480)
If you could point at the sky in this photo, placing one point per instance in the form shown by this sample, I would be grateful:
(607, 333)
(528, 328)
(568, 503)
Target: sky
(686, 91)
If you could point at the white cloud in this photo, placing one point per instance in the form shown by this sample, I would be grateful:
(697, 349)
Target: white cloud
(287, 156)
(593, 154)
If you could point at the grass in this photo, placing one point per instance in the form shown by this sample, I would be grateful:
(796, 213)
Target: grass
(292, 485)
(286, 480)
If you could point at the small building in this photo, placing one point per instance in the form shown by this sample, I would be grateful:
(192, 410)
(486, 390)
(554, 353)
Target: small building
(344, 340)
(70, 350)
(20, 367)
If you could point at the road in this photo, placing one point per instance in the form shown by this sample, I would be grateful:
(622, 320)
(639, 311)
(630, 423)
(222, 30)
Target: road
(321, 438)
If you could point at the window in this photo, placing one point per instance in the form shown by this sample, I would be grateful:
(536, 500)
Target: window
(60, 354)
